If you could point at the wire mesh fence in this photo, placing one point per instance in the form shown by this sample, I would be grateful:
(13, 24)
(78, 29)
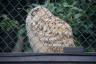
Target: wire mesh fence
(80, 15)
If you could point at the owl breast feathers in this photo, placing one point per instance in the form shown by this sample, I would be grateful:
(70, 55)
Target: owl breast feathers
(46, 32)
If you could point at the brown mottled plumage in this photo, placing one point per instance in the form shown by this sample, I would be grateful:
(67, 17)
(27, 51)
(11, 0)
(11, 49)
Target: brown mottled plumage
(47, 33)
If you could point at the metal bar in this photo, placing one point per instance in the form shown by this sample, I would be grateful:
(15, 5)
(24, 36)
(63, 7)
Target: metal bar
(25, 57)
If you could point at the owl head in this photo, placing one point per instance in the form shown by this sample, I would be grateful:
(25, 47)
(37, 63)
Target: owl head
(39, 10)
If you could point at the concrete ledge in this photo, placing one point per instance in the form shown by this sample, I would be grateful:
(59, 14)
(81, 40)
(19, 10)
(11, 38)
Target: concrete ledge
(48, 57)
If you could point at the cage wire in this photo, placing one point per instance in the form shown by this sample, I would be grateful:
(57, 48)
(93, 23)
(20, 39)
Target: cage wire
(79, 14)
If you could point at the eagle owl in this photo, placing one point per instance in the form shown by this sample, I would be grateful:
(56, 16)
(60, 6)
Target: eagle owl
(46, 32)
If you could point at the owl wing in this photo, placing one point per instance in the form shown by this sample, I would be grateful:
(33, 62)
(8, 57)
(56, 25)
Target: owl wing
(53, 29)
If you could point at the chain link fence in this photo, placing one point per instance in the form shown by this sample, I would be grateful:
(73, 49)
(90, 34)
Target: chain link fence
(80, 14)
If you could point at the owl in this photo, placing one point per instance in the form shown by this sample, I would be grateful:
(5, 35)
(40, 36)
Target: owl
(46, 32)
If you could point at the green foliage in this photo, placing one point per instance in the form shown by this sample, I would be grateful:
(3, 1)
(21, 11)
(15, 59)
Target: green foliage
(7, 24)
